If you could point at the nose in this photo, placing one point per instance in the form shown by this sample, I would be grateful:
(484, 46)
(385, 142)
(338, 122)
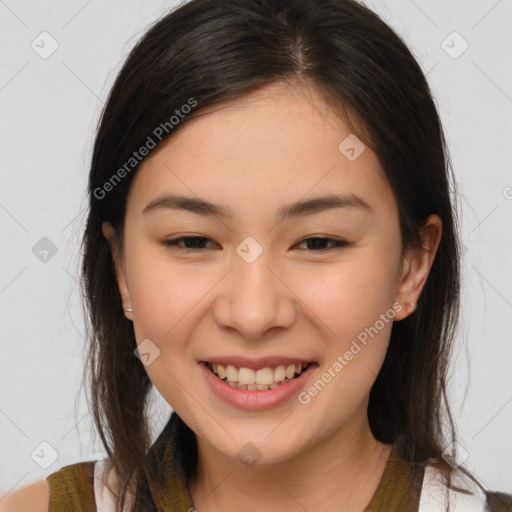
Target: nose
(254, 298)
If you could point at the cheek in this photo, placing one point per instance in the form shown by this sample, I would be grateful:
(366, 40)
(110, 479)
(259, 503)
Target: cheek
(166, 303)
(348, 297)
(354, 305)
(163, 294)
(166, 300)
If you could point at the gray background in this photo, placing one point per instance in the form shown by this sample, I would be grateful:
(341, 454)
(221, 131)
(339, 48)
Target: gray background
(49, 109)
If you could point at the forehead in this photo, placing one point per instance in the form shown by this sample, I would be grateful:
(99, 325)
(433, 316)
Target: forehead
(275, 145)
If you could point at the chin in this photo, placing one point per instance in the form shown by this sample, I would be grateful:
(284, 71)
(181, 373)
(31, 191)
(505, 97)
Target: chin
(259, 447)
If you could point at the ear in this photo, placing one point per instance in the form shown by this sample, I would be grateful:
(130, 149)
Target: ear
(416, 267)
(119, 265)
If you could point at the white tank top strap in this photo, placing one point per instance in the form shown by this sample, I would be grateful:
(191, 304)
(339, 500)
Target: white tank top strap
(433, 493)
(104, 482)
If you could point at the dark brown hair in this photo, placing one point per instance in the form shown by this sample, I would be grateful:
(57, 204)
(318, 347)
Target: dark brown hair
(219, 50)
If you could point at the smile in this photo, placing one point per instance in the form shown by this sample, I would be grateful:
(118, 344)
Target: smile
(262, 379)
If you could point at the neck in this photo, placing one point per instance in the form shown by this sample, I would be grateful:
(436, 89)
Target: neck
(344, 467)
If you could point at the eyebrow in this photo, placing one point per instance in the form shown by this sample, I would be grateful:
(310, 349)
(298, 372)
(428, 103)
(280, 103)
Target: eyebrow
(299, 208)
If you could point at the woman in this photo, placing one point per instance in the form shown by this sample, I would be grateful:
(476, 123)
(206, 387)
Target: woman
(271, 243)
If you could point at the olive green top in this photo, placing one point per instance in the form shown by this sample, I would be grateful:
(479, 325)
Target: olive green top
(72, 488)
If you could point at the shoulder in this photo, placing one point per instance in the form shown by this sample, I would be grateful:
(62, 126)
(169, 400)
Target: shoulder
(34, 497)
(72, 488)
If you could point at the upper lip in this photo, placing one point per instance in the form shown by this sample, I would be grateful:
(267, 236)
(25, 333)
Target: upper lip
(257, 363)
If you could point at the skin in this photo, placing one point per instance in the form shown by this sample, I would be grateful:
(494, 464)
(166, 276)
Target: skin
(253, 155)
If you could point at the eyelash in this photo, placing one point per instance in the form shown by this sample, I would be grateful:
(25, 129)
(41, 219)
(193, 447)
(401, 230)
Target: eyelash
(338, 244)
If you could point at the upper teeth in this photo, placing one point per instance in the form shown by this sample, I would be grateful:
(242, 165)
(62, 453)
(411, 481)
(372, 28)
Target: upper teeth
(263, 376)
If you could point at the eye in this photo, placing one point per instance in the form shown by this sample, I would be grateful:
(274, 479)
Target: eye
(317, 244)
(196, 243)
(193, 243)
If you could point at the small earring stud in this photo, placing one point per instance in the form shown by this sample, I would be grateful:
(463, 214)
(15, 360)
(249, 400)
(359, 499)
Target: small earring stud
(128, 309)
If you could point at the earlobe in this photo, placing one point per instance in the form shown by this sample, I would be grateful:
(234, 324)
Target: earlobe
(416, 266)
(108, 232)
(123, 290)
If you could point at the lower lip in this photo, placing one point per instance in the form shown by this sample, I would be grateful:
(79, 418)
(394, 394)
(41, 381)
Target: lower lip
(256, 400)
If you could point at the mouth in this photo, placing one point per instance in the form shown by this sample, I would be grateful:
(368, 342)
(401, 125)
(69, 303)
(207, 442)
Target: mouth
(262, 379)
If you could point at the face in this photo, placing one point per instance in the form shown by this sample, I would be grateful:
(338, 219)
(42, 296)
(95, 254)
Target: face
(265, 283)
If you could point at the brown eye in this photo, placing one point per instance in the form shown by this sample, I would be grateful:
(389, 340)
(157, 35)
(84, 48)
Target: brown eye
(192, 243)
(318, 244)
